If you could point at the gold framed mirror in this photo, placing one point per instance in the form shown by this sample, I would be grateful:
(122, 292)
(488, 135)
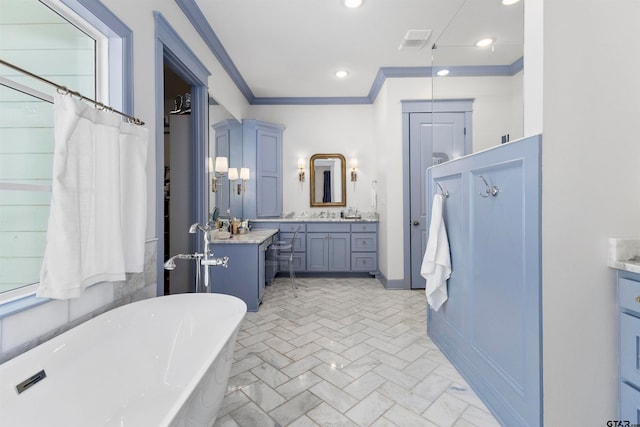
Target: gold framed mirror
(328, 183)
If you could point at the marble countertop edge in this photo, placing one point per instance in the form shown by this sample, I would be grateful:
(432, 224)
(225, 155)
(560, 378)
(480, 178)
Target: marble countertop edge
(255, 237)
(624, 254)
(314, 219)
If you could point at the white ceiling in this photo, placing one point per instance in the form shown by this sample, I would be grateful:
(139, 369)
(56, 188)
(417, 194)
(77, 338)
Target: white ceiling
(291, 48)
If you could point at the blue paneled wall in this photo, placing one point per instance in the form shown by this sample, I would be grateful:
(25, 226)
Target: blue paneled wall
(490, 327)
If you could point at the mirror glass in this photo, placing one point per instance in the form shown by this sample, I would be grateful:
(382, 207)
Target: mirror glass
(328, 185)
(490, 76)
(224, 144)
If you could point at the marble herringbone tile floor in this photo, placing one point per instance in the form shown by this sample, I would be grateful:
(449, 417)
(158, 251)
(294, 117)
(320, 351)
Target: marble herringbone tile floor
(346, 352)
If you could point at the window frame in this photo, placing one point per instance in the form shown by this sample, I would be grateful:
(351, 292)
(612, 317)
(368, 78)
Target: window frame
(113, 62)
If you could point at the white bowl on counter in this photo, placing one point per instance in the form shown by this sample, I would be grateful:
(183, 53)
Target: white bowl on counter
(222, 235)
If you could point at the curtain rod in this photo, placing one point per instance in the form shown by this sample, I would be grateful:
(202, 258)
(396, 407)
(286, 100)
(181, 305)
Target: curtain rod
(65, 90)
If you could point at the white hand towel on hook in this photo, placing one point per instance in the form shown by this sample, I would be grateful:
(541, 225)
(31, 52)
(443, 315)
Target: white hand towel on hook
(436, 263)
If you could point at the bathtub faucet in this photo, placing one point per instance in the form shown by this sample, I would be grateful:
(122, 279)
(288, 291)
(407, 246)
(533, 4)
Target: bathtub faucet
(170, 264)
(206, 259)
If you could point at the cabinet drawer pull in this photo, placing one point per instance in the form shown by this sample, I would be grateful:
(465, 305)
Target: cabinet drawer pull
(638, 299)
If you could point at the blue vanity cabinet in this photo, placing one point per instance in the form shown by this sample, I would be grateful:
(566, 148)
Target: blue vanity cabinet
(629, 350)
(241, 279)
(329, 247)
(364, 247)
(262, 154)
(490, 327)
(343, 246)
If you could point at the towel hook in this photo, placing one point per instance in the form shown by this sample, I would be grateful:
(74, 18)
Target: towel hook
(444, 192)
(493, 191)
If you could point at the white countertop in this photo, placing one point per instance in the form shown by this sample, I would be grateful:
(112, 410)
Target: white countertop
(313, 219)
(624, 254)
(255, 237)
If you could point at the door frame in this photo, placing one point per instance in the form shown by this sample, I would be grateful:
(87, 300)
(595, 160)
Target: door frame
(172, 50)
(463, 105)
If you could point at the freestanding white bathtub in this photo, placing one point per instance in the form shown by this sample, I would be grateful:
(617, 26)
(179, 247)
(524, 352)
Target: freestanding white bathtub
(159, 362)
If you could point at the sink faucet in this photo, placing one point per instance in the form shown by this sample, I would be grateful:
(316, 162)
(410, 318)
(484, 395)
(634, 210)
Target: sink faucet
(202, 259)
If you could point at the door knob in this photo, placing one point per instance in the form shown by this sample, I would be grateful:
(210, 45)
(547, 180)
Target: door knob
(416, 223)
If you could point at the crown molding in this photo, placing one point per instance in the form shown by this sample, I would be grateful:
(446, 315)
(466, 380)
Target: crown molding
(202, 26)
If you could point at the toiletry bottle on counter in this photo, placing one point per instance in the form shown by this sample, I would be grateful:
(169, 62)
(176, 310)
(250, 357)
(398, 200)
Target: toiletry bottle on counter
(235, 225)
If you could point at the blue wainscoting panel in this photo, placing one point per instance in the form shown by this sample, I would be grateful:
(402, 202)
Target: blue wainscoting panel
(499, 279)
(490, 327)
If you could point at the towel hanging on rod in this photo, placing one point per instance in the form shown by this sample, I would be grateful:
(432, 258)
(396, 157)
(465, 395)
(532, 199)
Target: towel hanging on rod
(66, 91)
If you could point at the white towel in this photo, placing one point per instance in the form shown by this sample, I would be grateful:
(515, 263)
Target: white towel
(133, 161)
(85, 243)
(436, 264)
(374, 195)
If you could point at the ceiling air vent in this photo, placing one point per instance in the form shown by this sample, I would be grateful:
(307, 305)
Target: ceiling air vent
(415, 39)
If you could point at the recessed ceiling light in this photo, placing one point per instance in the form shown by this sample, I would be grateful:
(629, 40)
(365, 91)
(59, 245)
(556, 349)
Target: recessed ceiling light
(353, 3)
(485, 42)
(342, 74)
(443, 73)
(509, 2)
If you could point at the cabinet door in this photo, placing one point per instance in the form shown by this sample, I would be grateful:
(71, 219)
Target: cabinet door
(364, 261)
(629, 351)
(339, 252)
(364, 242)
(269, 182)
(262, 250)
(317, 251)
(629, 404)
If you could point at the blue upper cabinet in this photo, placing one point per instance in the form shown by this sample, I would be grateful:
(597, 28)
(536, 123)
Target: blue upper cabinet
(258, 146)
(262, 153)
(224, 133)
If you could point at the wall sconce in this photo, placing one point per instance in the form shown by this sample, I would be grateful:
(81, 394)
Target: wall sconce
(221, 167)
(244, 176)
(301, 170)
(354, 169)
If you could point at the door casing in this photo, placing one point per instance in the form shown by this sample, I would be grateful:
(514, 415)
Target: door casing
(464, 106)
(172, 50)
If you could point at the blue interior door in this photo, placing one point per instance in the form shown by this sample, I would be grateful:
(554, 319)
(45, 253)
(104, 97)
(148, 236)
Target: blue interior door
(433, 138)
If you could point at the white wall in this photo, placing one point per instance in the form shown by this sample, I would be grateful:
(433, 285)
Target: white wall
(388, 127)
(590, 191)
(497, 106)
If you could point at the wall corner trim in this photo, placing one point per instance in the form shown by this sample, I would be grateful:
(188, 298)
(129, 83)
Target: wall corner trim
(398, 284)
(202, 26)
